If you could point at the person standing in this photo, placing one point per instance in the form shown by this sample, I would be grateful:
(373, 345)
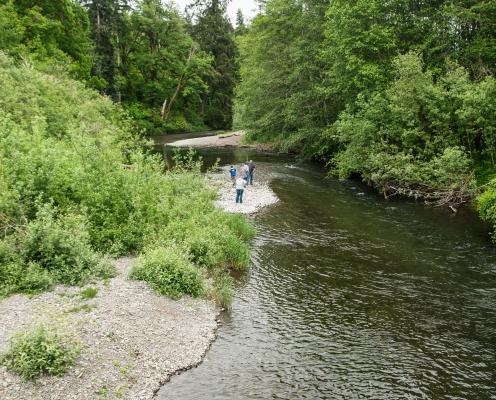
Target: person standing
(251, 170)
(233, 173)
(240, 188)
(245, 169)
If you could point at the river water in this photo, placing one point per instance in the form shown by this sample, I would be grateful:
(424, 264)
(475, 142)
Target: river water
(350, 296)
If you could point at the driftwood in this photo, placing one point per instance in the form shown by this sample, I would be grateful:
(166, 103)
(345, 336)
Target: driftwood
(9, 224)
(450, 197)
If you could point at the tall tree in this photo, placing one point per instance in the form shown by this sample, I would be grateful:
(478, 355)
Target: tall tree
(240, 23)
(215, 34)
(106, 17)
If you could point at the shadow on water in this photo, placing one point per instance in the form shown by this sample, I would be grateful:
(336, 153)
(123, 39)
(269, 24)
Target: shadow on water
(350, 296)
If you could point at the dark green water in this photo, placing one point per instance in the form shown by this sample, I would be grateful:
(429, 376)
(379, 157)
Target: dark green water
(350, 296)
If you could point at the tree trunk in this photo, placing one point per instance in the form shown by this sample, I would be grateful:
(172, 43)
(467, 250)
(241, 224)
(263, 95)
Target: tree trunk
(182, 80)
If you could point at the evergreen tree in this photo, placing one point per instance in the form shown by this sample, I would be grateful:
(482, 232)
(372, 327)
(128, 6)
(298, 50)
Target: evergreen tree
(215, 34)
(106, 19)
(240, 23)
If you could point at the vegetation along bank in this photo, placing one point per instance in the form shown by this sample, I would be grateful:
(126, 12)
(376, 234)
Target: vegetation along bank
(400, 94)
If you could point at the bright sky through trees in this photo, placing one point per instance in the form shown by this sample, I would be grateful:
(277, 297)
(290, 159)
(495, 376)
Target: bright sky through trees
(249, 8)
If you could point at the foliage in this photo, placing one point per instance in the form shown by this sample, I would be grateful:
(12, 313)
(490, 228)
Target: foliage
(168, 271)
(276, 98)
(486, 203)
(214, 33)
(160, 61)
(223, 290)
(400, 93)
(39, 351)
(76, 183)
(139, 53)
(54, 33)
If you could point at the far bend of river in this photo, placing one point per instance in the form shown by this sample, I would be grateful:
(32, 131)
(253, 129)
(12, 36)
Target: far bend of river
(350, 296)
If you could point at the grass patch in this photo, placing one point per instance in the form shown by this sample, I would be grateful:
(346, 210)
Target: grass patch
(223, 290)
(82, 307)
(38, 352)
(89, 293)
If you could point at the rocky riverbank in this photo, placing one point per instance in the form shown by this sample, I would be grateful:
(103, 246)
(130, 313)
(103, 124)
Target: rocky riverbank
(132, 341)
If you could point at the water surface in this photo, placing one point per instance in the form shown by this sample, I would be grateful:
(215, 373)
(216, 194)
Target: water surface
(350, 296)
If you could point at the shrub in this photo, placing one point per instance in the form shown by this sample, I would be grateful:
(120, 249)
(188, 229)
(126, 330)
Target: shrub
(168, 271)
(75, 181)
(60, 245)
(39, 351)
(27, 278)
(486, 203)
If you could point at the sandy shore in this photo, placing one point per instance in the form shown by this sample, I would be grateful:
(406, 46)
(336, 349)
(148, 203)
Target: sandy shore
(131, 340)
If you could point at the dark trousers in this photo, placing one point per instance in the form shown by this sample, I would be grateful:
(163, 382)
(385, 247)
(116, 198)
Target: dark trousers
(250, 177)
(239, 195)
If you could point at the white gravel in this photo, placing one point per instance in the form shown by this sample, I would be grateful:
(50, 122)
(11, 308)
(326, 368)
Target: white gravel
(255, 197)
(132, 341)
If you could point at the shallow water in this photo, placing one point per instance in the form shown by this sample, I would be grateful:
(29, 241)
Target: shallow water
(350, 296)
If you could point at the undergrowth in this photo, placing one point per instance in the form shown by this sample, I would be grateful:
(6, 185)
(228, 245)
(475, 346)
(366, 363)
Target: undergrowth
(39, 351)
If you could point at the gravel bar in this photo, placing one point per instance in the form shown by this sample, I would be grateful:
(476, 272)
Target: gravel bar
(132, 341)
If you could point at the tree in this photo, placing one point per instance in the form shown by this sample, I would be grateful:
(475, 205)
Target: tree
(52, 33)
(160, 61)
(240, 23)
(215, 35)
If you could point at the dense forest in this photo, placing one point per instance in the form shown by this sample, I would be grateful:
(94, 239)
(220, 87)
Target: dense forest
(171, 73)
(401, 93)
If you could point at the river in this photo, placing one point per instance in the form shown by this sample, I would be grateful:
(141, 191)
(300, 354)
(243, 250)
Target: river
(350, 296)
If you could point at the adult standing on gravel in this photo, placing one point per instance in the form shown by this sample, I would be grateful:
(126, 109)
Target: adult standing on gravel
(245, 171)
(240, 188)
(251, 170)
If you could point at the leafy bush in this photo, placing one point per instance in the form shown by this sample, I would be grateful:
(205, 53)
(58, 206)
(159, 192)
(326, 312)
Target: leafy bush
(486, 203)
(39, 351)
(61, 246)
(169, 272)
(403, 139)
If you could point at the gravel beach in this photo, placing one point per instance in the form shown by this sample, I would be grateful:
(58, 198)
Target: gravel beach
(256, 196)
(131, 340)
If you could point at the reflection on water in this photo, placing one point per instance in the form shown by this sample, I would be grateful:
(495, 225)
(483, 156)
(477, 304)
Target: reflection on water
(353, 297)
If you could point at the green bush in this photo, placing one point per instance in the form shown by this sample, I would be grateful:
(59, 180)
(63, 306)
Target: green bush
(169, 272)
(61, 246)
(39, 351)
(486, 203)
